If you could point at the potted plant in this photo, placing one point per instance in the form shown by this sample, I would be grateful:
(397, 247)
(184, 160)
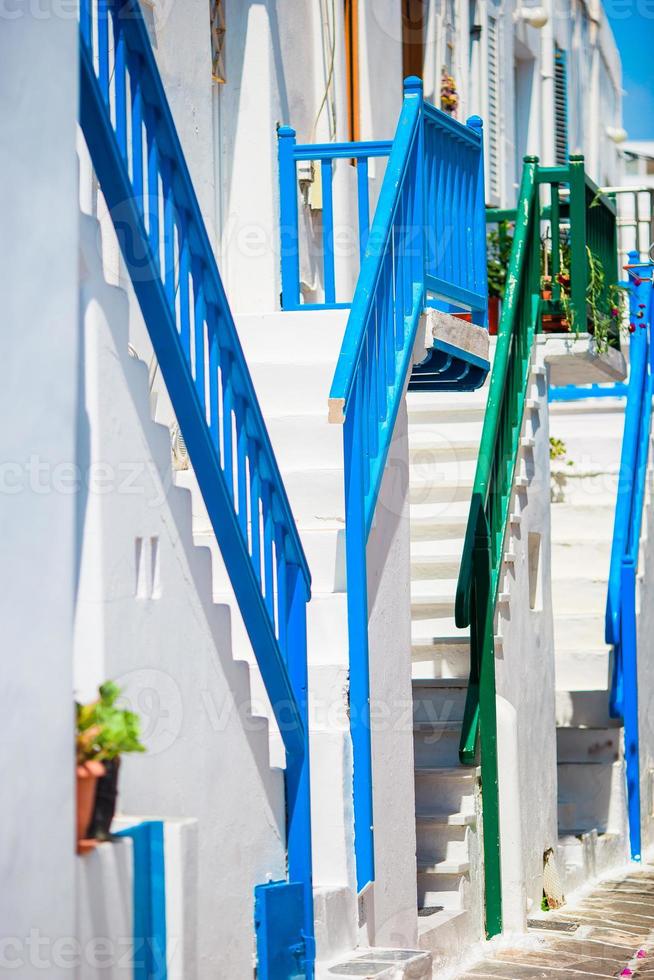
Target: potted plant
(449, 95)
(499, 242)
(104, 732)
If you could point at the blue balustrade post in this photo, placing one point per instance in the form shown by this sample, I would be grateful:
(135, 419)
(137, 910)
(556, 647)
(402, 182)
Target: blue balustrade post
(288, 218)
(479, 280)
(357, 618)
(298, 779)
(628, 629)
(413, 87)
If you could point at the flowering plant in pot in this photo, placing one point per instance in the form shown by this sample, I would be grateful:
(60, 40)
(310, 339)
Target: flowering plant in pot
(449, 94)
(104, 732)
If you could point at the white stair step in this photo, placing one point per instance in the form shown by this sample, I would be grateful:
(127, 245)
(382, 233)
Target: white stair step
(445, 788)
(434, 444)
(578, 631)
(572, 522)
(440, 703)
(582, 670)
(377, 964)
(597, 792)
(575, 592)
(436, 743)
(432, 598)
(446, 819)
(585, 744)
(443, 867)
(268, 337)
(435, 522)
(426, 491)
(589, 708)
(441, 658)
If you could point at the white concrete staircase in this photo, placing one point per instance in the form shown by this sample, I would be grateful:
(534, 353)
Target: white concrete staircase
(591, 770)
(444, 437)
(152, 623)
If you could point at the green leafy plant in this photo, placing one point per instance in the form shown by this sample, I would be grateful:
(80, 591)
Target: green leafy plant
(104, 729)
(605, 305)
(559, 451)
(499, 242)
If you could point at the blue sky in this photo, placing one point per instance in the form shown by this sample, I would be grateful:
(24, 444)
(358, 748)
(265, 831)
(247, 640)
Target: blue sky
(633, 25)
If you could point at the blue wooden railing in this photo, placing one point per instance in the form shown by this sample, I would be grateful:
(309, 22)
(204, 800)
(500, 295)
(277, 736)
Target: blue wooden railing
(373, 369)
(292, 153)
(144, 178)
(450, 229)
(621, 630)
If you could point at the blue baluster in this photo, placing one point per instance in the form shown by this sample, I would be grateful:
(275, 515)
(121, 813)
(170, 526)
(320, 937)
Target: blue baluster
(288, 218)
(328, 231)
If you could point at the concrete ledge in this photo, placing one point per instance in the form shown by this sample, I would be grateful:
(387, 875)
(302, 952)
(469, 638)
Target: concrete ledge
(446, 329)
(575, 361)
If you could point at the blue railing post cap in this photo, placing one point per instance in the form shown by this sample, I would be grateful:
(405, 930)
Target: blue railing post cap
(413, 84)
(475, 122)
(285, 132)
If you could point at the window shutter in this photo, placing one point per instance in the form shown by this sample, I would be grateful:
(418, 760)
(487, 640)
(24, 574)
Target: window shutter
(561, 147)
(493, 109)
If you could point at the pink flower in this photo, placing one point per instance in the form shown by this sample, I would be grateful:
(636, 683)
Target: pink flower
(627, 972)
(641, 954)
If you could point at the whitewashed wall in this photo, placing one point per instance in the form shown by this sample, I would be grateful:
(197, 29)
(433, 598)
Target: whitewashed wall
(145, 617)
(525, 686)
(38, 568)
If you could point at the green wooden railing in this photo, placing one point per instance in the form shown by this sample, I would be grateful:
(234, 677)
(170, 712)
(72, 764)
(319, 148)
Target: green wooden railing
(481, 563)
(564, 228)
(580, 229)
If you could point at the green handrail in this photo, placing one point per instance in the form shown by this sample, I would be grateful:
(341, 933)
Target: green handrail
(578, 214)
(479, 575)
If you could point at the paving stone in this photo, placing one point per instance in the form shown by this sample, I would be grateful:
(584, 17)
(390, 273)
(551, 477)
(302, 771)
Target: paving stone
(610, 926)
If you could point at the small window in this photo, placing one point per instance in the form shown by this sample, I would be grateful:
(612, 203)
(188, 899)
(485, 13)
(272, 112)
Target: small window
(217, 15)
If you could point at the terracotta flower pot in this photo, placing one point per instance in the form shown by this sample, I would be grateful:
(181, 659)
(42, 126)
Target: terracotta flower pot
(493, 315)
(87, 780)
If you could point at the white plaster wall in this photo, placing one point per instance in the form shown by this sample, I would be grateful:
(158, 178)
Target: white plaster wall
(154, 627)
(38, 563)
(105, 912)
(525, 688)
(390, 906)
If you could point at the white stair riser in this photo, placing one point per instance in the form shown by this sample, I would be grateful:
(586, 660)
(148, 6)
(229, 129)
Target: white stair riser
(451, 794)
(451, 662)
(569, 595)
(447, 891)
(582, 523)
(582, 670)
(436, 748)
(293, 389)
(588, 744)
(598, 794)
(438, 704)
(584, 708)
(274, 337)
(579, 632)
(443, 843)
(582, 555)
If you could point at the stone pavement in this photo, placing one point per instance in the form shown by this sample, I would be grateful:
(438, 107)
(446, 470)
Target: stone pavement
(608, 933)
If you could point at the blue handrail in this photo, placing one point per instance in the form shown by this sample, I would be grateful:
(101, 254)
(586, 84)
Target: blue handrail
(621, 598)
(144, 178)
(376, 359)
(290, 154)
(453, 223)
